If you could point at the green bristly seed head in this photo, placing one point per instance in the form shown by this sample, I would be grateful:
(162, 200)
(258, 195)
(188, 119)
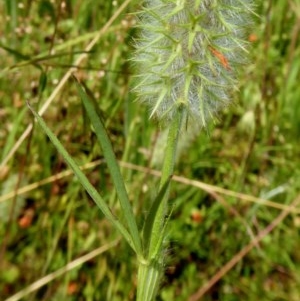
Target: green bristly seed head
(187, 54)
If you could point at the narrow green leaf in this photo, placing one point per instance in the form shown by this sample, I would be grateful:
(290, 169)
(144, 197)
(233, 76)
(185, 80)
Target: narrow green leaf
(42, 81)
(148, 225)
(19, 56)
(113, 166)
(83, 180)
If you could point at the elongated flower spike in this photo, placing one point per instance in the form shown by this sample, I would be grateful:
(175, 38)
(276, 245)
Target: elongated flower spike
(187, 55)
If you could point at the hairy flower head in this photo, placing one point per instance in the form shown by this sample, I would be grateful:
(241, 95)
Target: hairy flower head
(187, 54)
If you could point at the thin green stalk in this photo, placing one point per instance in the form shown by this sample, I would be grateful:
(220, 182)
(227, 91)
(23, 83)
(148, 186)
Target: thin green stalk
(149, 272)
(149, 275)
(167, 171)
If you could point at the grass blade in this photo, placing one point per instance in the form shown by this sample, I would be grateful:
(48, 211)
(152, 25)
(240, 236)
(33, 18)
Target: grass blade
(83, 179)
(148, 225)
(113, 166)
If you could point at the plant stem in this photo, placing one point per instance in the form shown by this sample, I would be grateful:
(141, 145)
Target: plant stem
(167, 171)
(150, 269)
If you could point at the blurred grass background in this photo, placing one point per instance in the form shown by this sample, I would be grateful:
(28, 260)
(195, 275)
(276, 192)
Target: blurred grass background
(253, 148)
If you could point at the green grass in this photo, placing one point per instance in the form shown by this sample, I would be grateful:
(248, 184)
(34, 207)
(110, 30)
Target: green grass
(253, 149)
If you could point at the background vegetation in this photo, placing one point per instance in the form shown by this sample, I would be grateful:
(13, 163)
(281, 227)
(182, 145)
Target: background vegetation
(252, 149)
